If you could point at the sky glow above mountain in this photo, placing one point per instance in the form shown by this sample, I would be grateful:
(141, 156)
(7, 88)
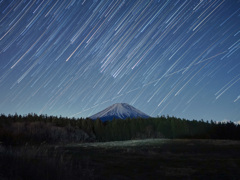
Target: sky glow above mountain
(75, 58)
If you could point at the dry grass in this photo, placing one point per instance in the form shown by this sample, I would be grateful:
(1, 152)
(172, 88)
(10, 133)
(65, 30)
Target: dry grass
(138, 159)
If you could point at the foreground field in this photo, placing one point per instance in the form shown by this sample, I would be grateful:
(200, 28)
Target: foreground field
(136, 159)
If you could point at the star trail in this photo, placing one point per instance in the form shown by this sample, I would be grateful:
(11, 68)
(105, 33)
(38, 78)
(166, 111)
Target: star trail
(74, 58)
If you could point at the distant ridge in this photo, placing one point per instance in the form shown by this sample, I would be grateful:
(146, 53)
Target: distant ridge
(119, 111)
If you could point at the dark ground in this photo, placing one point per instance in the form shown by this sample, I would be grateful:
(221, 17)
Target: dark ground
(138, 159)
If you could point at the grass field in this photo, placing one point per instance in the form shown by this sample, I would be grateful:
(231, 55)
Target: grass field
(135, 159)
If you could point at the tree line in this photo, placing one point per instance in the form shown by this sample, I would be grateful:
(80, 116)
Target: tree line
(36, 129)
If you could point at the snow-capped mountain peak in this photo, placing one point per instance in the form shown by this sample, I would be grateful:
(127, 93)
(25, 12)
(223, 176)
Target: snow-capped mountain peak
(119, 111)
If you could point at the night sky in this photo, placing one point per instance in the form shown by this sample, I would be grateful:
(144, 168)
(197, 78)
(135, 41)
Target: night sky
(75, 58)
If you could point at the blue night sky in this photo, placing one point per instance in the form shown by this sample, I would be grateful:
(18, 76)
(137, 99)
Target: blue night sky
(75, 58)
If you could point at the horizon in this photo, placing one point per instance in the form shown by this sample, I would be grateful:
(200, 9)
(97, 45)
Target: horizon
(48, 115)
(74, 59)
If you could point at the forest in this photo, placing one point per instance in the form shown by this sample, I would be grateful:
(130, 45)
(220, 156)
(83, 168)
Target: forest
(37, 129)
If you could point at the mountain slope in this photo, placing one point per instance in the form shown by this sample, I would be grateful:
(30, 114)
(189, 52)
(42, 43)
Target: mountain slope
(119, 111)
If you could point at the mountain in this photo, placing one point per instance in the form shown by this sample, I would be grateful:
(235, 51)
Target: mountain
(119, 111)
